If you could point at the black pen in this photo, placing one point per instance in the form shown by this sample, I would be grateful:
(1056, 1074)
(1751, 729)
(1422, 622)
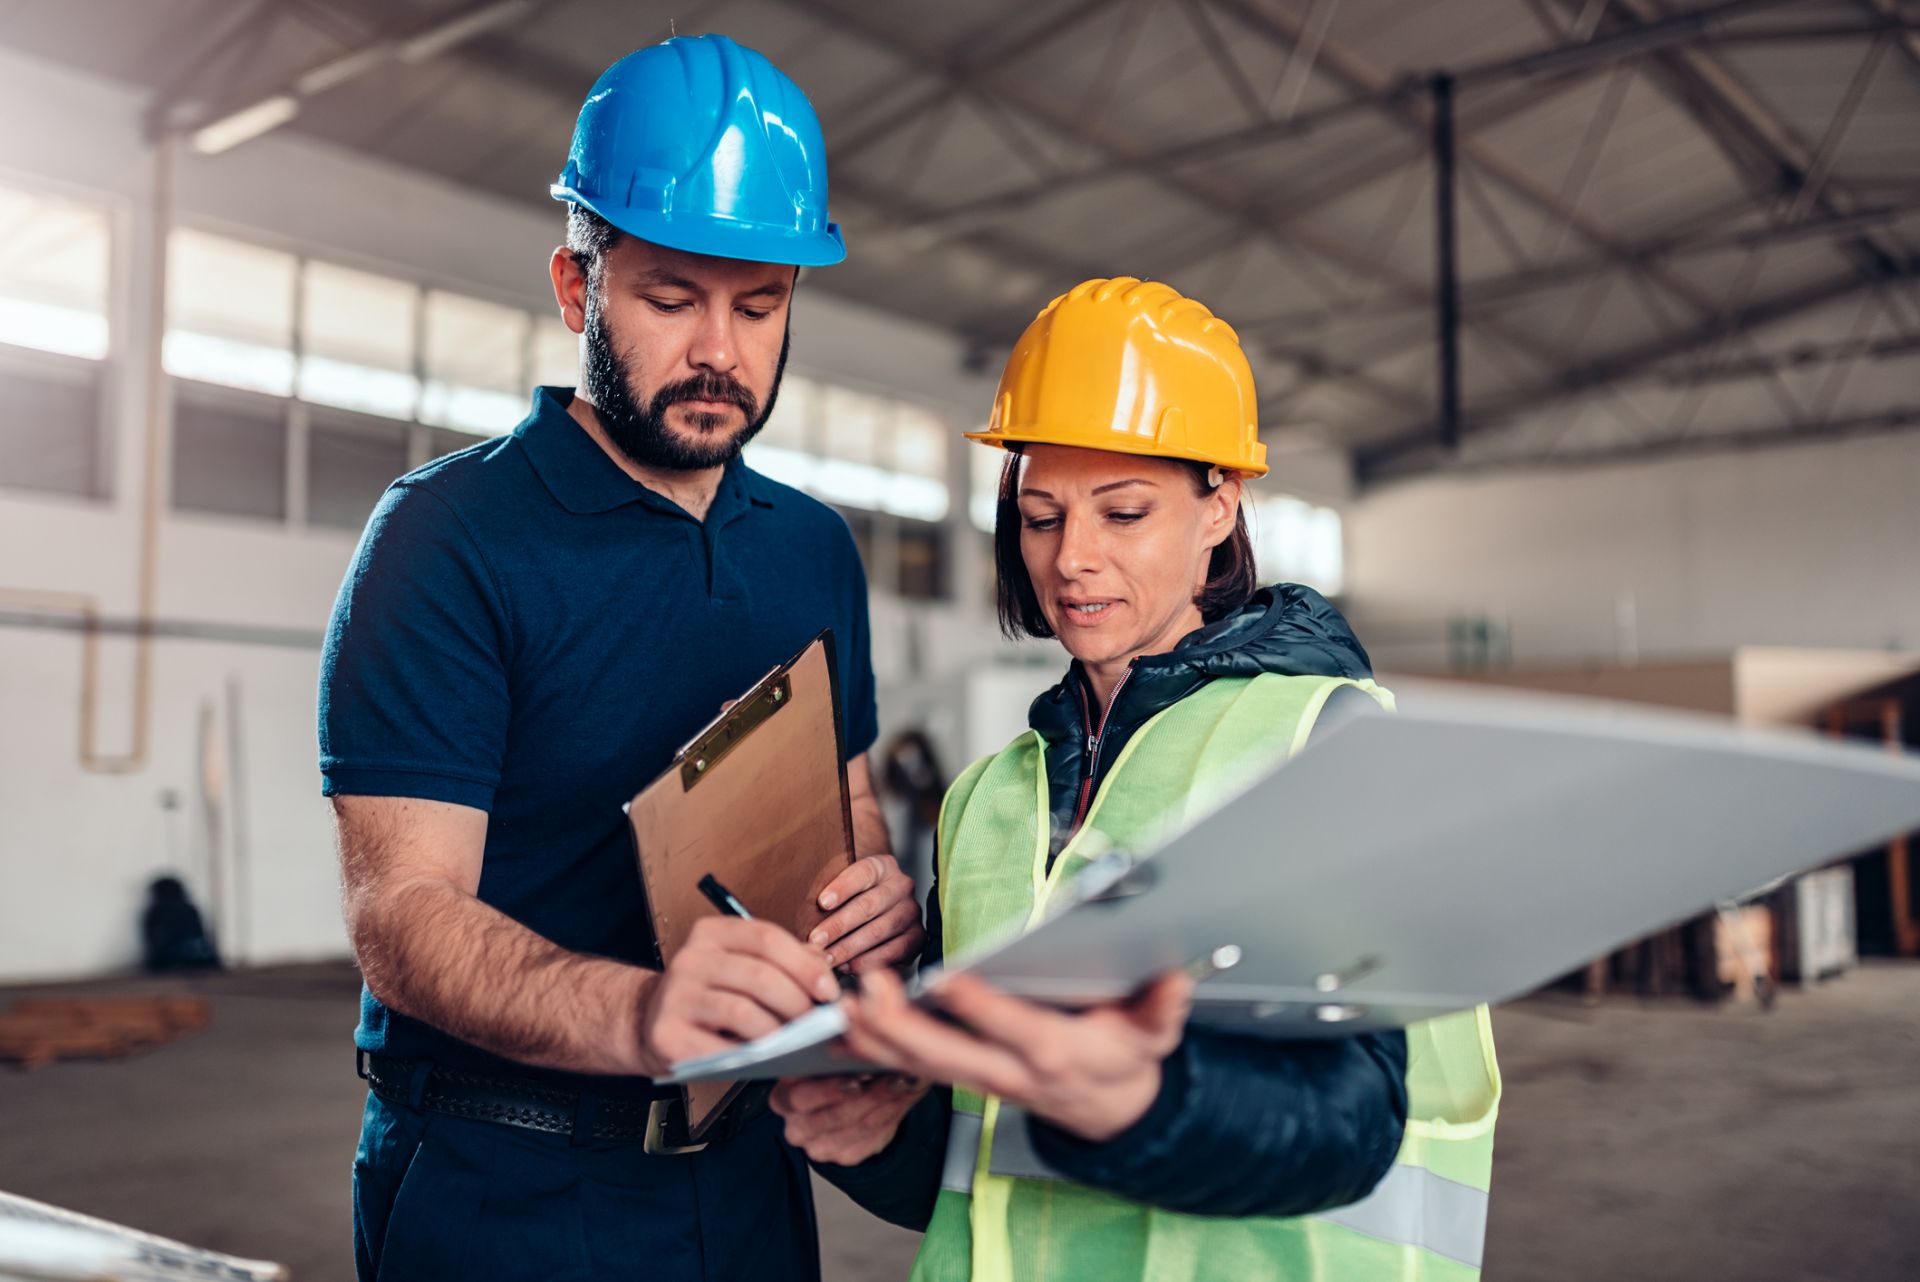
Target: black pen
(723, 899)
(729, 904)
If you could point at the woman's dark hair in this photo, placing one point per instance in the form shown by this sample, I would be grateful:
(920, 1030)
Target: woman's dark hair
(1231, 576)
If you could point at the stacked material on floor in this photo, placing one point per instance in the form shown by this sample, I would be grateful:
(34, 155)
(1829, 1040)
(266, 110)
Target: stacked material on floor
(36, 1031)
(46, 1244)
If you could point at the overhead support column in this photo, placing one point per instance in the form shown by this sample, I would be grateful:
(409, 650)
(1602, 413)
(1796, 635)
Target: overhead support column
(1446, 245)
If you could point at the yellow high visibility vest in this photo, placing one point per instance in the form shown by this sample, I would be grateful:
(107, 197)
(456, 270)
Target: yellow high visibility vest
(1001, 1216)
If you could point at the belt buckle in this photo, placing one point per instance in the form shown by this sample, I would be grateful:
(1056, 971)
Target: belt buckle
(662, 1116)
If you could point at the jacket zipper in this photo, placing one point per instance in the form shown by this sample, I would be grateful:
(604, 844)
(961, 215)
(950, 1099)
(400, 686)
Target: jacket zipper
(1094, 734)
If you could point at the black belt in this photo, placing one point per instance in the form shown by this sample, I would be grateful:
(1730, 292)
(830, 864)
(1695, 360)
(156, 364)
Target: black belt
(658, 1124)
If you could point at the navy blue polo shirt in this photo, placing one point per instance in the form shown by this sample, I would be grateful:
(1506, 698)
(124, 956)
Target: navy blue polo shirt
(527, 630)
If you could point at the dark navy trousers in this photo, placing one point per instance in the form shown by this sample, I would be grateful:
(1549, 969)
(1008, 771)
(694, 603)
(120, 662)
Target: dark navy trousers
(442, 1197)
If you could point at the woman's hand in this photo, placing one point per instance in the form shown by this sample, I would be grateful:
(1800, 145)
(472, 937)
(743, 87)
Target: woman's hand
(1094, 1073)
(844, 1120)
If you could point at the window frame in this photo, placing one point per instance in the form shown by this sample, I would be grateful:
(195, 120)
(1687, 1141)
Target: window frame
(297, 414)
(110, 370)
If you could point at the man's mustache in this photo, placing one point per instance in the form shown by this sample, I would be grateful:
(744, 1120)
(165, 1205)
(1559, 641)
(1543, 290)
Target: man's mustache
(707, 387)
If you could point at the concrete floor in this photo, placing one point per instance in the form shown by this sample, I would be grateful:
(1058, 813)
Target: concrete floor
(1648, 1141)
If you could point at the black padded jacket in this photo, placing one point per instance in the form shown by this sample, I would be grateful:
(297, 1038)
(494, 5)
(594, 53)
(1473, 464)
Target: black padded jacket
(1241, 1126)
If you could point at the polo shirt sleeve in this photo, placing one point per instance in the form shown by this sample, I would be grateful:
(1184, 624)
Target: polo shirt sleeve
(859, 711)
(413, 677)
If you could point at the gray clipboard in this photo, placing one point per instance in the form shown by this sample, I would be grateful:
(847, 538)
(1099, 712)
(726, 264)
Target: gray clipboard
(1465, 850)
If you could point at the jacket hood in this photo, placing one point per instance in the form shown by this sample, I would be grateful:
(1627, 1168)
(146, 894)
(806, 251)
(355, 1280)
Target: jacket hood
(1287, 629)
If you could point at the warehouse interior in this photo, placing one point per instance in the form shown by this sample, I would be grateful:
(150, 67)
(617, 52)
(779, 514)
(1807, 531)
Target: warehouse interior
(1587, 337)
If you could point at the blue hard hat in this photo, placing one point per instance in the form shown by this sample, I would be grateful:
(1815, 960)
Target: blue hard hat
(702, 145)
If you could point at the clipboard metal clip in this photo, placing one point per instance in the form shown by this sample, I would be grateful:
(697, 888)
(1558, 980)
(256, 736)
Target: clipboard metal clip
(1112, 875)
(711, 745)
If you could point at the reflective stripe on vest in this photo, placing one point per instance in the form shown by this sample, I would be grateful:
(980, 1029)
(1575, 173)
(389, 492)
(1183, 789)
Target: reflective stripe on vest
(1415, 1207)
(1411, 1206)
(963, 1148)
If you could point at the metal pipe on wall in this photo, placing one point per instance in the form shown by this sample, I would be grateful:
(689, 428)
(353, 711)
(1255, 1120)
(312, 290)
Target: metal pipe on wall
(80, 613)
(154, 440)
(1446, 246)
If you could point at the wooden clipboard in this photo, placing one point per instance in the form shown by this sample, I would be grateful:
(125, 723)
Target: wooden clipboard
(757, 799)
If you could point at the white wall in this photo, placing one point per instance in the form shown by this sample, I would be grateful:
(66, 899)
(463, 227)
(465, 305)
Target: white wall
(77, 847)
(1807, 546)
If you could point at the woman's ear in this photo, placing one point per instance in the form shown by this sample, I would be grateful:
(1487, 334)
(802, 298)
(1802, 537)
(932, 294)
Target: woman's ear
(1223, 509)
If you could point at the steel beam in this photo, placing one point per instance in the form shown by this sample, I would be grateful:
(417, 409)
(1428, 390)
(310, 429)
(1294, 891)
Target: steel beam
(240, 26)
(1635, 362)
(1794, 358)
(1908, 40)
(1757, 142)
(1807, 432)
(1711, 237)
(243, 117)
(862, 136)
(1204, 193)
(1411, 114)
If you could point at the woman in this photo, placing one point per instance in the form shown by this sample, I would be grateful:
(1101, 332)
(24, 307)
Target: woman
(1115, 1143)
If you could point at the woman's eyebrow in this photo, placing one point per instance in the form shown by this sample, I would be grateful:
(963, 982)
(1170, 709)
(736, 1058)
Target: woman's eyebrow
(1030, 492)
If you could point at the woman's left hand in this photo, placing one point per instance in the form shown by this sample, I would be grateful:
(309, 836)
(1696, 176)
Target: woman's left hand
(1094, 1073)
(845, 1120)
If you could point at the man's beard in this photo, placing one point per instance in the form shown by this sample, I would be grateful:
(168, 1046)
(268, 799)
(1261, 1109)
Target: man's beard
(641, 432)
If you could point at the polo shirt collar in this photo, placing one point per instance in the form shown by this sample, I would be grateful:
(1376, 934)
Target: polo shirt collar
(584, 480)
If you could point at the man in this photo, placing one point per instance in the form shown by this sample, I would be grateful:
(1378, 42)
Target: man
(529, 629)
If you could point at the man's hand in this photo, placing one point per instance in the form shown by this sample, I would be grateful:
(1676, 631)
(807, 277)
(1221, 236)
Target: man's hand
(844, 1120)
(1094, 1073)
(731, 981)
(876, 919)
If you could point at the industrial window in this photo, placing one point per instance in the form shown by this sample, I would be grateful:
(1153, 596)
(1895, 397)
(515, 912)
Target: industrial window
(246, 316)
(357, 341)
(849, 471)
(922, 554)
(784, 448)
(983, 491)
(443, 441)
(49, 427)
(229, 457)
(556, 355)
(54, 266)
(349, 465)
(918, 442)
(855, 450)
(475, 359)
(862, 526)
(1296, 542)
(229, 313)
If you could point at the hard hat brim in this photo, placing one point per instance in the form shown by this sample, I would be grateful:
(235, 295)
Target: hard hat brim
(718, 238)
(1121, 446)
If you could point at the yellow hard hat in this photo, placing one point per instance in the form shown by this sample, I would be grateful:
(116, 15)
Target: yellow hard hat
(1134, 367)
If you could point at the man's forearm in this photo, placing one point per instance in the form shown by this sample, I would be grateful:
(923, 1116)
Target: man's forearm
(435, 953)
